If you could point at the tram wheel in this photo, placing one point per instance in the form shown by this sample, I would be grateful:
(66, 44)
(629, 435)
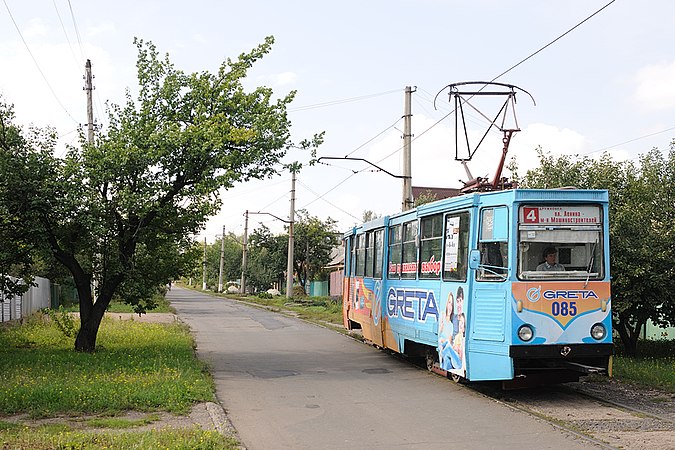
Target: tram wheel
(430, 359)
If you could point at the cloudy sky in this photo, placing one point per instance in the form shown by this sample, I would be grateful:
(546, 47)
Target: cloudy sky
(607, 85)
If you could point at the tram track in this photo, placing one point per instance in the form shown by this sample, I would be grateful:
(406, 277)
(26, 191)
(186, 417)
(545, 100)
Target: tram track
(597, 412)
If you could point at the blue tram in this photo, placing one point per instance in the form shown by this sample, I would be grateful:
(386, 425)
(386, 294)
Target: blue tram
(511, 285)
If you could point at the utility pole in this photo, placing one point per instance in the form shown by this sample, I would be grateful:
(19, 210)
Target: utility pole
(407, 202)
(90, 109)
(291, 216)
(204, 267)
(242, 287)
(222, 258)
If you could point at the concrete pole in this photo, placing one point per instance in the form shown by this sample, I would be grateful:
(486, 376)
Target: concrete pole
(407, 201)
(90, 109)
(244, 256)
(222, 258)
(291, 216)
(204, 264)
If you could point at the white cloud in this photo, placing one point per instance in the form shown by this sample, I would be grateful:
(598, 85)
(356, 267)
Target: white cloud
(655, 89)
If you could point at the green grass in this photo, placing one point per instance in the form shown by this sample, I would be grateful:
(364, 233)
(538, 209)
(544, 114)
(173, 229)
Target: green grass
(137, 366)
(65, 438)
(654, 367)
(163, 306)
(315, 309)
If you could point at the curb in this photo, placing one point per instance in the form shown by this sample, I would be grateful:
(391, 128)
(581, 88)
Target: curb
(221, 422)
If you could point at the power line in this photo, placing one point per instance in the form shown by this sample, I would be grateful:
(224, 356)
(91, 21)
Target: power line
(77, 31)
(36, 63)
(321, 197)
(507, 71)
(628, 141)
(339, 102)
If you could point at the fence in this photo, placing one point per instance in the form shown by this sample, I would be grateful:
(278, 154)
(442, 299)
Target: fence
(36, 298)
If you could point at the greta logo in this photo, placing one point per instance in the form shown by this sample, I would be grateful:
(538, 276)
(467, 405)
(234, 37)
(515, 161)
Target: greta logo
(570, 295)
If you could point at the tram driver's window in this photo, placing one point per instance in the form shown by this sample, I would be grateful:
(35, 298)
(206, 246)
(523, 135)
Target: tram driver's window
(493, 244)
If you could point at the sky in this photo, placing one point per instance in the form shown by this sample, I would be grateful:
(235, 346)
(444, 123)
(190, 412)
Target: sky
(606, 85)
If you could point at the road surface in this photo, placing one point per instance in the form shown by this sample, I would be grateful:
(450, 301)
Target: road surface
(288, 384)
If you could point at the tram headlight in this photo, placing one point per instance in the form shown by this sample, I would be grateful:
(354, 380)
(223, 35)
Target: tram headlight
(525, 333)
(598, 331)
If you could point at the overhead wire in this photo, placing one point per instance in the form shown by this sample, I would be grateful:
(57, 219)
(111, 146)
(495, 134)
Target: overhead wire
(44, 77)
(505, 72)
(417, 136)
(331, 204)
(341, 101)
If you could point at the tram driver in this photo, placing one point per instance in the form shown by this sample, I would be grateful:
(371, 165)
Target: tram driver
(550, 263)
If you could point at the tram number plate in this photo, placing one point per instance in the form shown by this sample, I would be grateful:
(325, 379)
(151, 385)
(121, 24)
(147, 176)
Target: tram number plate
(564, 308)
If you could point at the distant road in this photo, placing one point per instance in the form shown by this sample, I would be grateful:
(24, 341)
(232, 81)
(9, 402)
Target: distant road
(287, 384)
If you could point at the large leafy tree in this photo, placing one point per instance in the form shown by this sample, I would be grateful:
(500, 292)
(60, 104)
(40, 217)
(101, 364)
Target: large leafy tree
(17, 234)
(314, 241)
(267, 260)
(642, 241)
(118, 212)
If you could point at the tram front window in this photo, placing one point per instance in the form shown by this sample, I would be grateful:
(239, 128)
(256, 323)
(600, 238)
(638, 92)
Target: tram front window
(558, 249)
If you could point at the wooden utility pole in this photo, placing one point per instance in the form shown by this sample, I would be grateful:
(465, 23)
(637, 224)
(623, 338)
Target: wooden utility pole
(407, 202)
(90, 108)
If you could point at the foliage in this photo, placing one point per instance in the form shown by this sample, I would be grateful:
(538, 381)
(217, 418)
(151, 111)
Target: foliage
(63, 321)
(424, 198)
(267, 259)
(119, 212)
(642, 240)
(314, 241)
(17, 252)
(232, 255)
(369, 215)
(145, 367)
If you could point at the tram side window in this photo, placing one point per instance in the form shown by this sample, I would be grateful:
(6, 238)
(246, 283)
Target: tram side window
(379, 253)
(409, 262)
(431, 240)
(395, 251)
(493, 244)
(456, 247)
(370, 246)
(360, 255)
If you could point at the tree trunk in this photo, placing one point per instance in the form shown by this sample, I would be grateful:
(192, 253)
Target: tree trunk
(86, 337)
(91, 315)
(629, 334)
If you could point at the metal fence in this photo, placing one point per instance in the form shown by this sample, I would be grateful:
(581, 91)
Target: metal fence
(36, 298)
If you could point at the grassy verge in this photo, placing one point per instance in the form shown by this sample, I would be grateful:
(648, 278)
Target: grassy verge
(137, 366)
(163, 306)
(325, 310)
(654, 367)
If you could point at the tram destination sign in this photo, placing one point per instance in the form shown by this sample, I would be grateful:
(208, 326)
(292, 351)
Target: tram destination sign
(560, 215)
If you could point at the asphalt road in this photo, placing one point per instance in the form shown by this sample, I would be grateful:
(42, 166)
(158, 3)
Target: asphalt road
(287, 384)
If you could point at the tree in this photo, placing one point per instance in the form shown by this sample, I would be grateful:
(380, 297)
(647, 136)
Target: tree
(642, 241)
(268, 257)
(425, 197)
(231, 260)
(314, 241)
(119, 211)
(17, 252)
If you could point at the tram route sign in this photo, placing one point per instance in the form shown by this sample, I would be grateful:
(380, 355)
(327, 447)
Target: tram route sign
(560, 215)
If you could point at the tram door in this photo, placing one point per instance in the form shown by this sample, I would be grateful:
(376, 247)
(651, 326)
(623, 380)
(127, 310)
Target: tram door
(488, 356)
